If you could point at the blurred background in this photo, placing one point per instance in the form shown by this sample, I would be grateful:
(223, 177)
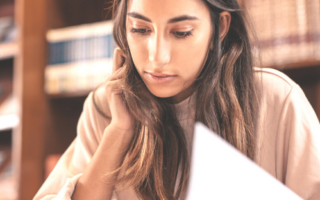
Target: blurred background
(54, 52)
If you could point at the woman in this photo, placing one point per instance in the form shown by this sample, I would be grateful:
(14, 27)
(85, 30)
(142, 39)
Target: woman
(179, 62)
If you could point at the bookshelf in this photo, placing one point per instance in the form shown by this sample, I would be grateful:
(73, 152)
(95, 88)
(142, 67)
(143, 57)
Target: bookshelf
(69, 95)
(297, 65)
(79, 57)
(8, 121)
(8, 105)
(48, 122)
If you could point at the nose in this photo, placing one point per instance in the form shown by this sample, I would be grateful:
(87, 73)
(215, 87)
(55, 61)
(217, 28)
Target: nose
(159, 51)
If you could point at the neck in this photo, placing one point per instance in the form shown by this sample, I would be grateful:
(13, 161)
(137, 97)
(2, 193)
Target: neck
(183, 94)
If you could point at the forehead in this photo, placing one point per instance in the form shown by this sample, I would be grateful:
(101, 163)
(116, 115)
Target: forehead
(166, 9)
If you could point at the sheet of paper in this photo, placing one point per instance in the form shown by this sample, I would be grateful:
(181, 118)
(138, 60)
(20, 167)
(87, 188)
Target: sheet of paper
(219, 171)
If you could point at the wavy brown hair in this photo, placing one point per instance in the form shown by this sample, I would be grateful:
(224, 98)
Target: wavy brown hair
(225, 99)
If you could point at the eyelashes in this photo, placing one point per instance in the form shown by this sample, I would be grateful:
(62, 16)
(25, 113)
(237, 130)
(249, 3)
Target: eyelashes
(178, 35)
(182, 34)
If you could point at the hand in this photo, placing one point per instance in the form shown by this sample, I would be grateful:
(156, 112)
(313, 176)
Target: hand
(120, 117)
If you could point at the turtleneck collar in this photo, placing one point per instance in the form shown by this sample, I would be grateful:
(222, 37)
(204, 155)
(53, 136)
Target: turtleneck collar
(186, 108)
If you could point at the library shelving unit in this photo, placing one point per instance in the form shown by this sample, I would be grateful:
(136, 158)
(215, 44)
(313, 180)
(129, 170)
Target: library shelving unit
(48, 123)
(8, 109)
(8, 121)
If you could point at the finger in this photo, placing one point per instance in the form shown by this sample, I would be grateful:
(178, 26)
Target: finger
(117, 74)
(114, 87)
(118, 59)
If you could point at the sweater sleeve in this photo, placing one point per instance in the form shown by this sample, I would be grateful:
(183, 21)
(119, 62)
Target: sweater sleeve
(299, 145)
(62, 180)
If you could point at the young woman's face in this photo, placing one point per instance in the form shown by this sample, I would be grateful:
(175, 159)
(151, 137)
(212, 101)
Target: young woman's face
(168, 41)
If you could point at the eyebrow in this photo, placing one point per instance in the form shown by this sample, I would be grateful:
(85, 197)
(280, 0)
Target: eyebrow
(173, 20)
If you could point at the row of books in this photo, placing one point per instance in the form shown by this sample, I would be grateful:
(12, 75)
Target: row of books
(288, 30)
(80, 57)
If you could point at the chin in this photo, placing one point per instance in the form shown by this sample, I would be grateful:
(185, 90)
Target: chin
(163, 93)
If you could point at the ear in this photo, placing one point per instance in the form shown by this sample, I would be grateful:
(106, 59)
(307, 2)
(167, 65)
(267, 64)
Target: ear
(225, 20)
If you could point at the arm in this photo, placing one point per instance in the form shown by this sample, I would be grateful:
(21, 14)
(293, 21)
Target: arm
(94, 183)
(99, 148)
(74, 160)
(300, 129)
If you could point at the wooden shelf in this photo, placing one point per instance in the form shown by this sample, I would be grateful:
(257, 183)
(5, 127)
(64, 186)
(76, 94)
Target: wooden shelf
(302, 72)
(68, 95)
(297, 65)
(8, 50)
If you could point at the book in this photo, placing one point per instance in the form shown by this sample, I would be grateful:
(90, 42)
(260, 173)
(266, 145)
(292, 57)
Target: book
(228, 174)
(80, 57)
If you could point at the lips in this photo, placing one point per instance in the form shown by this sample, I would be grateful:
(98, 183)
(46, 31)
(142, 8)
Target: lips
(160, 75)
(160, 78)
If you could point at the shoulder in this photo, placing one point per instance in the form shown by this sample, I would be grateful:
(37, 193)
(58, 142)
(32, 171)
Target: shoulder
(271, 78)
(276, 93)
(96, 106)
(273, 74)
(282, 100)
(273, 85)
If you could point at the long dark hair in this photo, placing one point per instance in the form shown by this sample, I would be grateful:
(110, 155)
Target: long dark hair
(225, 99)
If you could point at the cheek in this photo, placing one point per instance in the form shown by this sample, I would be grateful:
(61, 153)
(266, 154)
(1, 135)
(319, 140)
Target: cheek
(191, 57)
(139, 52)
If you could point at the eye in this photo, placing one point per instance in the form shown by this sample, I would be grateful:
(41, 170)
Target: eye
(181, 35)
(140, 31)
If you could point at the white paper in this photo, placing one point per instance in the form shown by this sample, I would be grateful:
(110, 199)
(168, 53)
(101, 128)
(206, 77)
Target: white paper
(219, 171)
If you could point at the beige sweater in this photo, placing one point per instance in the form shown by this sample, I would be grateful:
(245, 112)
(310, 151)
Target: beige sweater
(288, 140)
